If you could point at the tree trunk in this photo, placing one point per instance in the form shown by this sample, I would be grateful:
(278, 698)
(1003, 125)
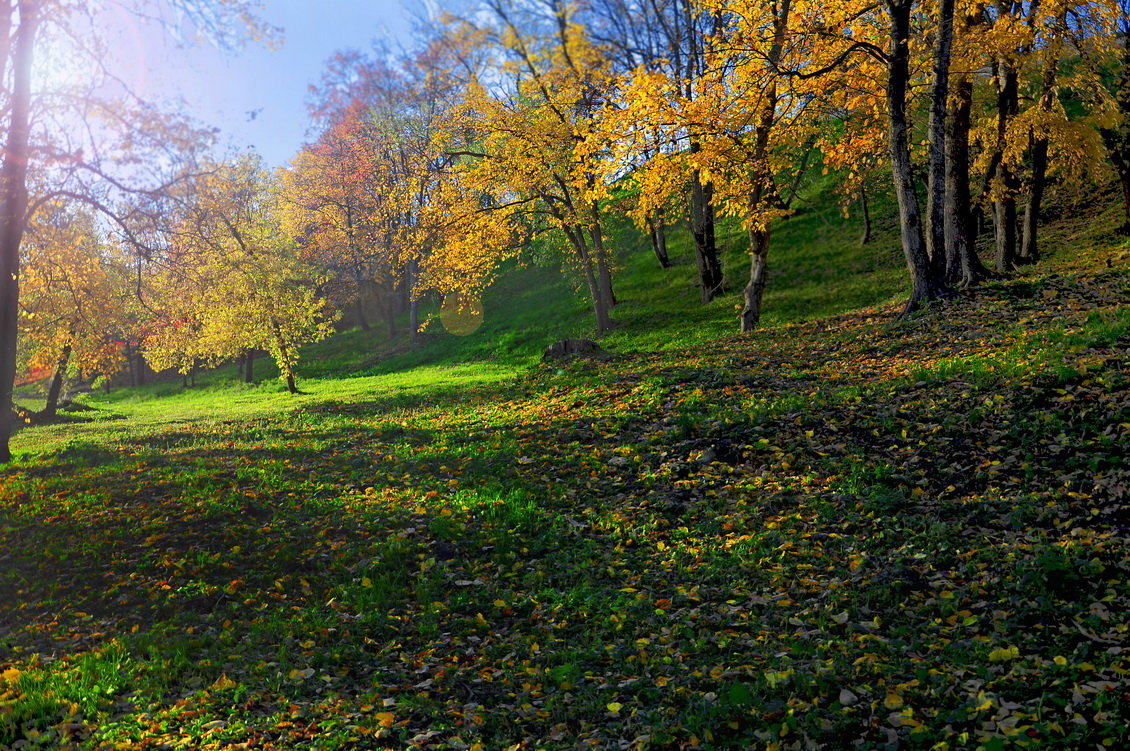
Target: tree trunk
(600, 305)
(1004, 224)
(603, 266)
(926, 285)
(1123, 168)
(936, 201)
(56, 388)
(390, 315)
(13, 211)
(963, 267)
(1008, 183)
(1117, 139)
(758, 274)
(140, 368)
(249, 366)
(705, 246)
(359, 308)
(358, 277)
(1029, 246)
(865, 211)
(657, 233)
(413, 301)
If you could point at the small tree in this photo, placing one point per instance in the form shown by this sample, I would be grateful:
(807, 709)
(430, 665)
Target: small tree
(71, 306)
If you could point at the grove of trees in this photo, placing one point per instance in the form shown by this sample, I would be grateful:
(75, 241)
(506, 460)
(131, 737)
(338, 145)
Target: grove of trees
(516, 121)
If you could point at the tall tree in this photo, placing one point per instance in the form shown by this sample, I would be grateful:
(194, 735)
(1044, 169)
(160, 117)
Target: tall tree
(527, 157)
(926, 281)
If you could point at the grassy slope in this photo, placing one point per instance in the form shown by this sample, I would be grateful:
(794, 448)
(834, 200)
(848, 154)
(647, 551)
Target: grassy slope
(838, 531)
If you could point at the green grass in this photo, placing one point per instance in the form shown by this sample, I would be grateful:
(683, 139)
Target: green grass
(839, 532)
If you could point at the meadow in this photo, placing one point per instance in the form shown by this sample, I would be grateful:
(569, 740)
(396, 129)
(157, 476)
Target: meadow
(842, 531)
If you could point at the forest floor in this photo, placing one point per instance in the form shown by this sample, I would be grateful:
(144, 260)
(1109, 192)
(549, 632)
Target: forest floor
(843, 533)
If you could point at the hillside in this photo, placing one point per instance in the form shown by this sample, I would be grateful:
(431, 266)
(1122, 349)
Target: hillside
(842, 531)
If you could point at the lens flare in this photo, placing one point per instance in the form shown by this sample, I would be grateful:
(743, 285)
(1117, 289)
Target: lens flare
(461, 313)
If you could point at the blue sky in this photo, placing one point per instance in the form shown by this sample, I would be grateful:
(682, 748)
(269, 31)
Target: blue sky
(257, 97)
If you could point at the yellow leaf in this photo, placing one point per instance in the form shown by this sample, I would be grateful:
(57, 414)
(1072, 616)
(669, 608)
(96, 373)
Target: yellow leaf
(499, 603)
(893, 701)
(1003, 654)
(615, 707)
(366, 582)
(385, 719)
(10, 676)
(223, 682)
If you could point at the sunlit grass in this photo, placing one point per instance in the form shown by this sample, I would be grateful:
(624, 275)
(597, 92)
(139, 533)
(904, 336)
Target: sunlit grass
(117, 415)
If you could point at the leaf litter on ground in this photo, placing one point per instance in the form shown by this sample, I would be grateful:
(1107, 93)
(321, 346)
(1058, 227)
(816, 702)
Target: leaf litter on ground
(848, 533)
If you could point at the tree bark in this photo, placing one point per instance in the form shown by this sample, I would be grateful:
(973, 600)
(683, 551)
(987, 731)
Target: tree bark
(764, 191)
(865, 211)
(56, 388)
(1117, 139)
(705, 246)
(13, 210)
(143, 370)
(758, 275)
(1123, 168)
(600, 304)
(359, 308)
(926, 285)
(413, 301)
(603, 265)
(1029, 246)
(936, 204)
(657, 233)
(249, 366)
(963, 267)
(1008, 183)
(389, 308)
(358, 277)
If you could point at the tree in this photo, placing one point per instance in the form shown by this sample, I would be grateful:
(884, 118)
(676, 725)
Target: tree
(1115, 99)
(26, 26)
(331, 200)
(524, 155)
(72, 301)
(235, 282)
(666, 38)
(926, 283)
(888, 38)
